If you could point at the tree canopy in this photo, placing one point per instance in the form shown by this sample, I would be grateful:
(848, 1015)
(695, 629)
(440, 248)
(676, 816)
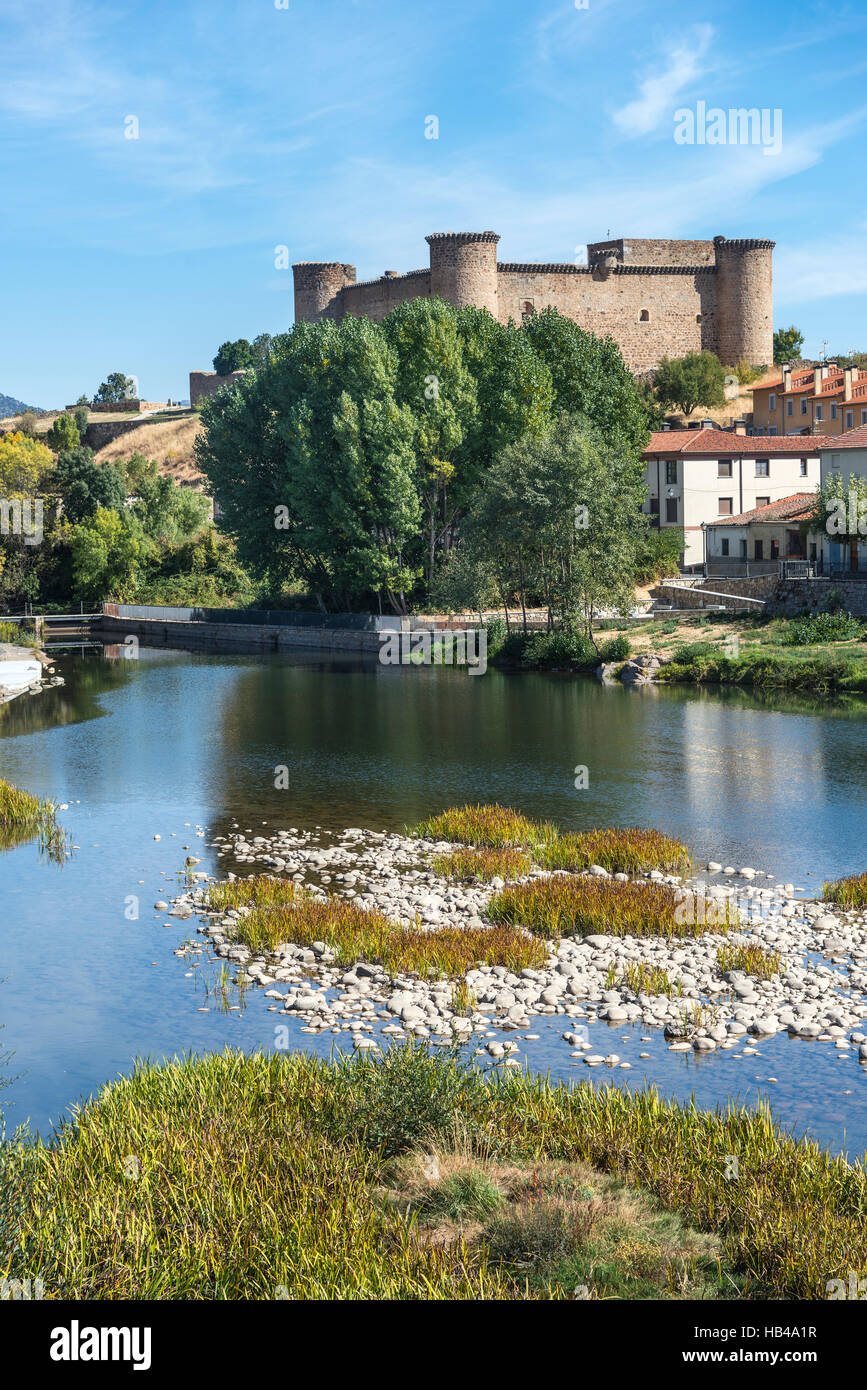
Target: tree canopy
(350, 457)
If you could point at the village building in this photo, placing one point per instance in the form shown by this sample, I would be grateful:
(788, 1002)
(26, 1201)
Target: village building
(822, 400)
(697, 476)
(758, 540)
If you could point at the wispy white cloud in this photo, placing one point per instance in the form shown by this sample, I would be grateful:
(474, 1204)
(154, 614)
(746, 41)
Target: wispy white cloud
(684, 62)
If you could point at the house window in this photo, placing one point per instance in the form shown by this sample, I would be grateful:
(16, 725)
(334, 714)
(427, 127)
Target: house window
(671, 470)
(671, 509)
(772, 401)
(763, 501)
(833, 412)
(790, 407)
(850, 419)
(818, 412)
(654, 506)
(644, 316)
(758, 550)
(775, 550)
(724, 506)
(772, 429)
(724, 468)
(743, 549)
(803, 468)
(724, 546)
(763, 467)
(805, 404)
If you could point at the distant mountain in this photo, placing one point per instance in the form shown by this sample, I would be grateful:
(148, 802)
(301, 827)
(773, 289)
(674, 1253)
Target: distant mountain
(9, 406)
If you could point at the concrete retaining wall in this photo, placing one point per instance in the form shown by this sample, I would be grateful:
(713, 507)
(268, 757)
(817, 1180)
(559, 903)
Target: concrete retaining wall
(218, 637)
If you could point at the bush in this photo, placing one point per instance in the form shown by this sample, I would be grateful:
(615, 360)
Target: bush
(822, 627)
(403, 1100)
(618, 649)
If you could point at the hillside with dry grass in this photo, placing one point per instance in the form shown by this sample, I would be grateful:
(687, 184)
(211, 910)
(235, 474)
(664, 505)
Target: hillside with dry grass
(168, 440)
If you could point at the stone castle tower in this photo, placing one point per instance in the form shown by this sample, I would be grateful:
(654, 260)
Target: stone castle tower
(654, 297)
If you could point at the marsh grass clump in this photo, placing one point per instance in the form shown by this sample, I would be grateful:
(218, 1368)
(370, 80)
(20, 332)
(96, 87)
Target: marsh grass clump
(26, 817)
(753, 960)
(629, 851)
(648, 979)
(490, 827)
(279, 912)
(465, 865)
(847, 892)
(563, 905)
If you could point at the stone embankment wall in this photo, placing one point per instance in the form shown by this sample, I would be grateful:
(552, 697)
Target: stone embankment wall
(782, 597)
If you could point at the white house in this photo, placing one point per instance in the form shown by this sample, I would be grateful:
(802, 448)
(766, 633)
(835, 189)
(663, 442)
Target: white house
(845, 455)
(696, 476)
(757, 540)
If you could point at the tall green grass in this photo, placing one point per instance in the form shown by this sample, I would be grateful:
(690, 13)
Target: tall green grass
(751, 959)
(483, 864)
(494, 827)
(847, 892)
(281, 913)
(631, 851)
(565, 906)
(251, 1177)
(24, 817)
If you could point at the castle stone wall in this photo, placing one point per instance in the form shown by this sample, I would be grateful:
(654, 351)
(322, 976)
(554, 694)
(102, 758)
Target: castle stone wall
(654, 297)
(209, 383)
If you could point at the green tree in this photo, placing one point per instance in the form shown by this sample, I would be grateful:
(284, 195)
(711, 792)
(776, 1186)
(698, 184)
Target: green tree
(841, 512)
(696, 379)
(233, 357)
(560, 516)
(63, 434)
(311, 460)
(85, 485)
(80, 417)
(434, 384)
(107, 552)
(116, 387)
(788, 343)
(589, 378)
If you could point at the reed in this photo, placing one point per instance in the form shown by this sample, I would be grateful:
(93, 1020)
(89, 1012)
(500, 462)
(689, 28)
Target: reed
(280, 912)
(467, 865)
(491, 827)
(750, 959)
(563, 905)
(649, 979)
(847, 892)
(628, 851)
(24, 817)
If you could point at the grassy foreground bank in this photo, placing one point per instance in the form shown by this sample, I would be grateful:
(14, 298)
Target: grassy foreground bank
(260, 1177)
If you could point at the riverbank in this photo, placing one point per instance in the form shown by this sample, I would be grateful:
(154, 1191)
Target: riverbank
(284, 1177)
(24, 670)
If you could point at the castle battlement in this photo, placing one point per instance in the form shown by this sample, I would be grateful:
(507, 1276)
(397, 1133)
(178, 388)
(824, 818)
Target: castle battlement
(655, 297)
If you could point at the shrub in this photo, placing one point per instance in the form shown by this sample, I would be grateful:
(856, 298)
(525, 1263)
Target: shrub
(618, 649)
(469, 1195)
(821, 627)
(399, 1101)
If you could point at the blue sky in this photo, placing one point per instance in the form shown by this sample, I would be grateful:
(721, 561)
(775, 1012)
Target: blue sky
(304, 127)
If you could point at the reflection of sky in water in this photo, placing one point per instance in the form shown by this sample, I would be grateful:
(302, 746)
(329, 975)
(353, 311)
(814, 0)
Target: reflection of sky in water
(148, 745)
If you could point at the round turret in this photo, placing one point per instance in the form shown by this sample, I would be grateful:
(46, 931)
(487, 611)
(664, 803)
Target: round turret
(317, 285)
(745, 325)
(463, 268)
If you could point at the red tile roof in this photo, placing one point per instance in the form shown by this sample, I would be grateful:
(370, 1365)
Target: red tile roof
(795, 508)
(715, 443)
(852, 439)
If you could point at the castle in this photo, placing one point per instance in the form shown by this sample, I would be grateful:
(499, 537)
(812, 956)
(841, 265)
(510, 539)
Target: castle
(655, 298)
